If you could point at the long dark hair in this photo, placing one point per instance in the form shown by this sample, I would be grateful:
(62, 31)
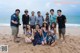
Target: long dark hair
(46, 25)
(38, 25)
(27, 27)
(54, 25)
(47, 16)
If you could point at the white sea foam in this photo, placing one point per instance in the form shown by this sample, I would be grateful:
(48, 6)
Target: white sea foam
(68, 25)
(73, 25)
(4, 24)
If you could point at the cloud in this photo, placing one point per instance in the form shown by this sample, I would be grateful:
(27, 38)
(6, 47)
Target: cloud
(58, 4)
(48, 4)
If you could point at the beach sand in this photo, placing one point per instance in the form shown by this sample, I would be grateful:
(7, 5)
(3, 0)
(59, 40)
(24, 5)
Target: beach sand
(72, 44)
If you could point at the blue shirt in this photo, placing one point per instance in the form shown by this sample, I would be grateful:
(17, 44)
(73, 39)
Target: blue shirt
(14, 17)
(32, 20)
(40, 20)
(53, 19)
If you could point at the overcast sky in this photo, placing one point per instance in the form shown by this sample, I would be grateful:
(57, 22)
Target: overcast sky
(8, 6)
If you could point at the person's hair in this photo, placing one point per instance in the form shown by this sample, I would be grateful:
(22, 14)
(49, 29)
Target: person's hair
(17, 10)
(27, 27)
(38, 12)
(52, 10)
(32, 12)
(26, 11)
(47, 13)
(38, 25)
(54, 25)
(47, 16)
(59, 10)
(46, 25)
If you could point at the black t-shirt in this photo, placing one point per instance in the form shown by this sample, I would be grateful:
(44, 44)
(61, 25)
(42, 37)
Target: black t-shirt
(25, 19)
(61, 21)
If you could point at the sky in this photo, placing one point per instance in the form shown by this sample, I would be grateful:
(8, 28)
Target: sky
(69, 7)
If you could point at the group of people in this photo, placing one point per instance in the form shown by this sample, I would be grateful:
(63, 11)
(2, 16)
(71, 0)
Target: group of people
(37, 29)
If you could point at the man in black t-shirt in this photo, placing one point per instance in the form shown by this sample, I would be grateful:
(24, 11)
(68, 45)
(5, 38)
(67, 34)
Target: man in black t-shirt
(25, 20)
(61, 20)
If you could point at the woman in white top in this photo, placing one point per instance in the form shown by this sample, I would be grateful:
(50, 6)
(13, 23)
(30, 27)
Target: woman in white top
(51, 37)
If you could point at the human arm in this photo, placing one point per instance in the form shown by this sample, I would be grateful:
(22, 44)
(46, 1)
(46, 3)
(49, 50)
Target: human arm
(13, 19)
(65, 19)
(55, 31)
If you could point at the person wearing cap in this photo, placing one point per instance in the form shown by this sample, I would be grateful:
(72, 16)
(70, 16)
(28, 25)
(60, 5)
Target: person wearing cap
(15, 24)
(39, 19)
(47, 18)
(32, 20)
(25, 20)
(53, 18)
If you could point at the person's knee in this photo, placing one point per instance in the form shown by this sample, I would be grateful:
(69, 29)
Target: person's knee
(14, 32)
(42, 42)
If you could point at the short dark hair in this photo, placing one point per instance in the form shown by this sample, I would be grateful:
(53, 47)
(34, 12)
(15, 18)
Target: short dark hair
(26, 11)
(17, 10)
(52, 10)
(38, 12)
(59, 10)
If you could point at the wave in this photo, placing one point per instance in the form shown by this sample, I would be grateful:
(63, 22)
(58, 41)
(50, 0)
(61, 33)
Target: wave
(4, 24)
(68, 24)
(72, 25)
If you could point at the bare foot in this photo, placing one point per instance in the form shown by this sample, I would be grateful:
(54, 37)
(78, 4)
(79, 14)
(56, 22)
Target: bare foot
(53, 44)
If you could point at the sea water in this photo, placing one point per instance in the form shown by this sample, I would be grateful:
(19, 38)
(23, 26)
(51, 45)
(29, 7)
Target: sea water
(71, 21)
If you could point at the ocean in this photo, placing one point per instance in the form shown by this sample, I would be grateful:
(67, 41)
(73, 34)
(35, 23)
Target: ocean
(71, 21)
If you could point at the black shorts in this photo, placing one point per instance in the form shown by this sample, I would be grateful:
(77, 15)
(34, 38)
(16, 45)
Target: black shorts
(24, 26)
(62, 31)
(33, 26)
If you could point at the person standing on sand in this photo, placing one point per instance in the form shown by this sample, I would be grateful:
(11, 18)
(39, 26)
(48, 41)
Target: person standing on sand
(32, 20)
(47, 18)
(25, 20)
(61, 20)
(39, 19)
(15, 24)
(52, 16)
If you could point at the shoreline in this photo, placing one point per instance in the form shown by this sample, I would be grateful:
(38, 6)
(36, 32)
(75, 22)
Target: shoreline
(70, 30)
(67, 24)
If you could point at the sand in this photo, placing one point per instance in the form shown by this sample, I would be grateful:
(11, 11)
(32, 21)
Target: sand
(72, 44)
